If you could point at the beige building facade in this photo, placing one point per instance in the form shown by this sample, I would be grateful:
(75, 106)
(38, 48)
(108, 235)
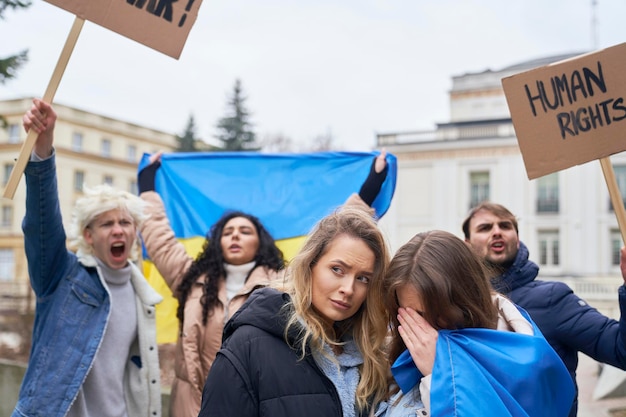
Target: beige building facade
(91, 149)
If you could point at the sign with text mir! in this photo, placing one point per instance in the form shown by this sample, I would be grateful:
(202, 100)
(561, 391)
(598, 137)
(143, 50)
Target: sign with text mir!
(162, 25)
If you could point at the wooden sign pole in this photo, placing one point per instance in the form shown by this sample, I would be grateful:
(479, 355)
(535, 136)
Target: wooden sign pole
(27, 146)
(616, 198)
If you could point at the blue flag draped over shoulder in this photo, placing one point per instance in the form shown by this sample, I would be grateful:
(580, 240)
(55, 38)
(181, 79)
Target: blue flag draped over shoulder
(288, 192)
(483, 372)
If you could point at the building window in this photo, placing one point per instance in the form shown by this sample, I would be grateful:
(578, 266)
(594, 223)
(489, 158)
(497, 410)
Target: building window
(616, 246)
(133, 188)
(105, 148)
(8, 168)
(620, 178)
(549, 254)
(79, 180)
(77, 142)
(14, 133)
(108, 180)
(7, 265)
(548, 194)
(7, 216)
(131, 153)
(479, 187)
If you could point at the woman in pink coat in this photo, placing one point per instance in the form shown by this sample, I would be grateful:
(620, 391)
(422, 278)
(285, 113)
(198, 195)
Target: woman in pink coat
(238, 256)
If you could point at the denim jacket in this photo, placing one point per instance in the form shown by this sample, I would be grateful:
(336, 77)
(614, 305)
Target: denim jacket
(72, 313)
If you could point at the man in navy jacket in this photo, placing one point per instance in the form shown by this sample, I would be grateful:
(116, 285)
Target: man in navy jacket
(568, 323)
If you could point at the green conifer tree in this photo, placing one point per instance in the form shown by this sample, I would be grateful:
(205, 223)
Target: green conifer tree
(9, 65)
(187, 142)
(235, 129)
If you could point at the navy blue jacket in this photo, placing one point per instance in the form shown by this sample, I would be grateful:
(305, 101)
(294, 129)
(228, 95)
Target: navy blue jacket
(568, 323)
(256, 373)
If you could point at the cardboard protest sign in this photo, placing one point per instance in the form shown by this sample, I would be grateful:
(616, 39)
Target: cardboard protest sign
(159, 24)
(569, 112)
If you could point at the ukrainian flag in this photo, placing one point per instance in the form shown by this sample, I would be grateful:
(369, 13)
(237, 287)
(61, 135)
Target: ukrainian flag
(289, 193)
(485, 372)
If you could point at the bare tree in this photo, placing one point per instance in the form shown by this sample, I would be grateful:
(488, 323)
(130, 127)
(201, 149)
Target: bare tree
(324, 142)
(277, 143)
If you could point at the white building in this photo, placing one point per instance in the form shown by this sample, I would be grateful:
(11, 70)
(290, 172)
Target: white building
(565, 218)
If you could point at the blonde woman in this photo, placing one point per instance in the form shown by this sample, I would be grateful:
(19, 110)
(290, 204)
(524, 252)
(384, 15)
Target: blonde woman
(315, 346)
(94, 348)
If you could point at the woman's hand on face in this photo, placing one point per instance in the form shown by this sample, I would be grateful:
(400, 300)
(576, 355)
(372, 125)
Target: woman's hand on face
(419, 337)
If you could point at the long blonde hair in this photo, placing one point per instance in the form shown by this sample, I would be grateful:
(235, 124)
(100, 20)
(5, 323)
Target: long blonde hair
(368, 325)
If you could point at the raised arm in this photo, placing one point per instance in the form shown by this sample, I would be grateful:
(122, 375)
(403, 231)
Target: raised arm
(166, 252)
(41, 118)
(147, 175)
(44, 236)
(374, 181)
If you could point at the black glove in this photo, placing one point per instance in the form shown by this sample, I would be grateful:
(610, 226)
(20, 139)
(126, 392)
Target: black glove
(146, 177)
(374, 181)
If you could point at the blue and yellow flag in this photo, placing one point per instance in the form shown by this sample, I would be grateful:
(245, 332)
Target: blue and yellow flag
(484, 372)
(289, 193)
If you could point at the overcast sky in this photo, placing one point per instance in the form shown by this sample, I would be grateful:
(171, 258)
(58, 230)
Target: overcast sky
(351, 68)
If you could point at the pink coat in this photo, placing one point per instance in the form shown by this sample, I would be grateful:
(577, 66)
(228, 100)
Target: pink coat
(198, 344)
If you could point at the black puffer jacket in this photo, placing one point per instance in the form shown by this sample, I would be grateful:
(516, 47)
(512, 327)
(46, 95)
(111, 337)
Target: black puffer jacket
(256, 373)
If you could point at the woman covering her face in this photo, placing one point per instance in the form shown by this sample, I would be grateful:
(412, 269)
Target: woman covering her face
(457, 347)
(314, 346)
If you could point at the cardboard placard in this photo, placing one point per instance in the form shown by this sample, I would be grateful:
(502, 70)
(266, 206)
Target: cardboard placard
(569, 112)
(159, 24)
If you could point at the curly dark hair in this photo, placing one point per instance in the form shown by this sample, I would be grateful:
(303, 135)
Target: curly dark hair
(210, 262)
